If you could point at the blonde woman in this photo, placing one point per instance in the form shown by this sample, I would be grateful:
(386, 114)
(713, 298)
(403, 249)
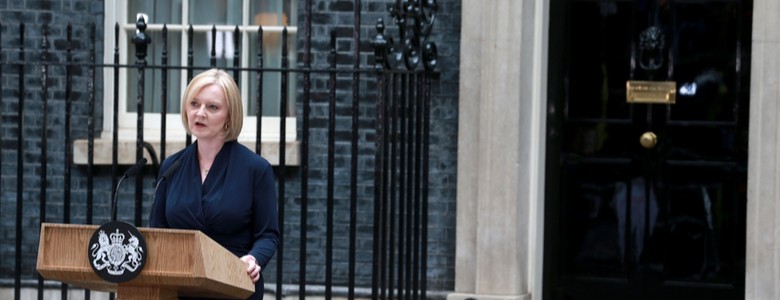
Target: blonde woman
(217, 185)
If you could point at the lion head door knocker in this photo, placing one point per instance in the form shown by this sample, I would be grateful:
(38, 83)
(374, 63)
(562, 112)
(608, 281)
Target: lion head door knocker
(652, 44)
(651, 49)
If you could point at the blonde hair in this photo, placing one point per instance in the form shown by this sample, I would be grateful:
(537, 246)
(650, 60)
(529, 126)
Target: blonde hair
(228, 85)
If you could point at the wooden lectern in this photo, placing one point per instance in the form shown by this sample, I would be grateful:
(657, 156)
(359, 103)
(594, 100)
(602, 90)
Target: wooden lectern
(178, 263)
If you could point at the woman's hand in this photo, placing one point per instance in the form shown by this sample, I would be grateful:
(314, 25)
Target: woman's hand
(252, 268)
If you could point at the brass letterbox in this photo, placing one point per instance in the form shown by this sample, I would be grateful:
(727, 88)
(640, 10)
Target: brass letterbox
(658, 92)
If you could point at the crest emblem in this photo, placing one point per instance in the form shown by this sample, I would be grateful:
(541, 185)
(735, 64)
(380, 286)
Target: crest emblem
(117, 252)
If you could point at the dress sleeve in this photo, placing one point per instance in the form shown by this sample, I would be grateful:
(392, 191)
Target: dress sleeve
(264, 219)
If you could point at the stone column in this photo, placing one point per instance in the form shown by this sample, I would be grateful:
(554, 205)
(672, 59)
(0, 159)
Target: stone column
(500, 149)
(762, 278)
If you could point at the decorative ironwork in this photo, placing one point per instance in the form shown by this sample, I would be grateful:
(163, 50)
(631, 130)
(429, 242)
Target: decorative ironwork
(141, 40)
(415, 19)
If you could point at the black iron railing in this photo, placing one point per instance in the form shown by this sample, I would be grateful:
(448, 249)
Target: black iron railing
(385, 169)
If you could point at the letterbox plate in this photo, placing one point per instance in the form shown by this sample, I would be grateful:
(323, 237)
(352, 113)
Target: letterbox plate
(652, 92)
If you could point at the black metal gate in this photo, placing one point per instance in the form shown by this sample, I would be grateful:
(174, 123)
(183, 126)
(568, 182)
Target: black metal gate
(385, 169)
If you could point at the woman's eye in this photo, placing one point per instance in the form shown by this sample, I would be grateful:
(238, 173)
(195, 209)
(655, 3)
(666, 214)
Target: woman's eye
(193, 103)
(213, 107)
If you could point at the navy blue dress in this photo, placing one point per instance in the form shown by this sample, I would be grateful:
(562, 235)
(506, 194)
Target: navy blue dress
(235, 205)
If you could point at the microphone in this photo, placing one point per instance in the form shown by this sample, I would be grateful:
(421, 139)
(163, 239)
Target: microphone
(130, 172)
(135, 168)
(174, 166)
(167, 174)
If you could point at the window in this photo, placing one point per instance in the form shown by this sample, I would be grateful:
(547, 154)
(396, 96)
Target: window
(177, 15)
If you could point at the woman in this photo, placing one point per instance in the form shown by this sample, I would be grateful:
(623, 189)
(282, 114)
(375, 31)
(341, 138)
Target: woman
(220, 187)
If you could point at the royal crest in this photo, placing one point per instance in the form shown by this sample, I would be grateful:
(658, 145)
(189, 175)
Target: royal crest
(117, 252)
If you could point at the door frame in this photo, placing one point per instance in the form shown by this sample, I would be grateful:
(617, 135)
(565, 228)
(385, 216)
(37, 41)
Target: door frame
(763, 207)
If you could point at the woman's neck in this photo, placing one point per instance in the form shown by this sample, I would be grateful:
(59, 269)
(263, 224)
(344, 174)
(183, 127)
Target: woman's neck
(207, 151)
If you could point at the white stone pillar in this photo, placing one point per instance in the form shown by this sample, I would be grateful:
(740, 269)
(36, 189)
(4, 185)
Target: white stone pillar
(501, 149)
(762, 277)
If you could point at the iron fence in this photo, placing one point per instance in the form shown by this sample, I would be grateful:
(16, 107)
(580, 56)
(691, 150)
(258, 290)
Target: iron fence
(384, 170)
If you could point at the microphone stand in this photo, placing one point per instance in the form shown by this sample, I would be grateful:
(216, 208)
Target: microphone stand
(130, 172)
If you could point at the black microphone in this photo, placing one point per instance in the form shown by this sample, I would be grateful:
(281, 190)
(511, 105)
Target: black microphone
(167, 174)
(130, 172)
(135, 168)
(174, 166)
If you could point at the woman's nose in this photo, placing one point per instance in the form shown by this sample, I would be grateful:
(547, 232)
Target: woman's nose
(201, 110)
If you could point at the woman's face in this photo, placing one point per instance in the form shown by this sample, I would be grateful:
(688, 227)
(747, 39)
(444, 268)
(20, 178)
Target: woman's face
(207, 114)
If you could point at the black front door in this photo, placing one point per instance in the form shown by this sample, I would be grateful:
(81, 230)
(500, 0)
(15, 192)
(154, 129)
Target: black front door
(645, 199)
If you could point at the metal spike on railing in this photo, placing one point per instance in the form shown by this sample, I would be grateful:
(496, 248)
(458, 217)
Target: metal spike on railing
(141, 40)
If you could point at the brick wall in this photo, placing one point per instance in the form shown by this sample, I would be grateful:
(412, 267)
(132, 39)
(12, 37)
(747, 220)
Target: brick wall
(37, 15)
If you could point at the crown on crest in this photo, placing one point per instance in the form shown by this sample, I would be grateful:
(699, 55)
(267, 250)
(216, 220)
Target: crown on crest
(117, 238)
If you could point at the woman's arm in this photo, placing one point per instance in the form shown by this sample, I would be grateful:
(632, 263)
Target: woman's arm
(265, 227)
